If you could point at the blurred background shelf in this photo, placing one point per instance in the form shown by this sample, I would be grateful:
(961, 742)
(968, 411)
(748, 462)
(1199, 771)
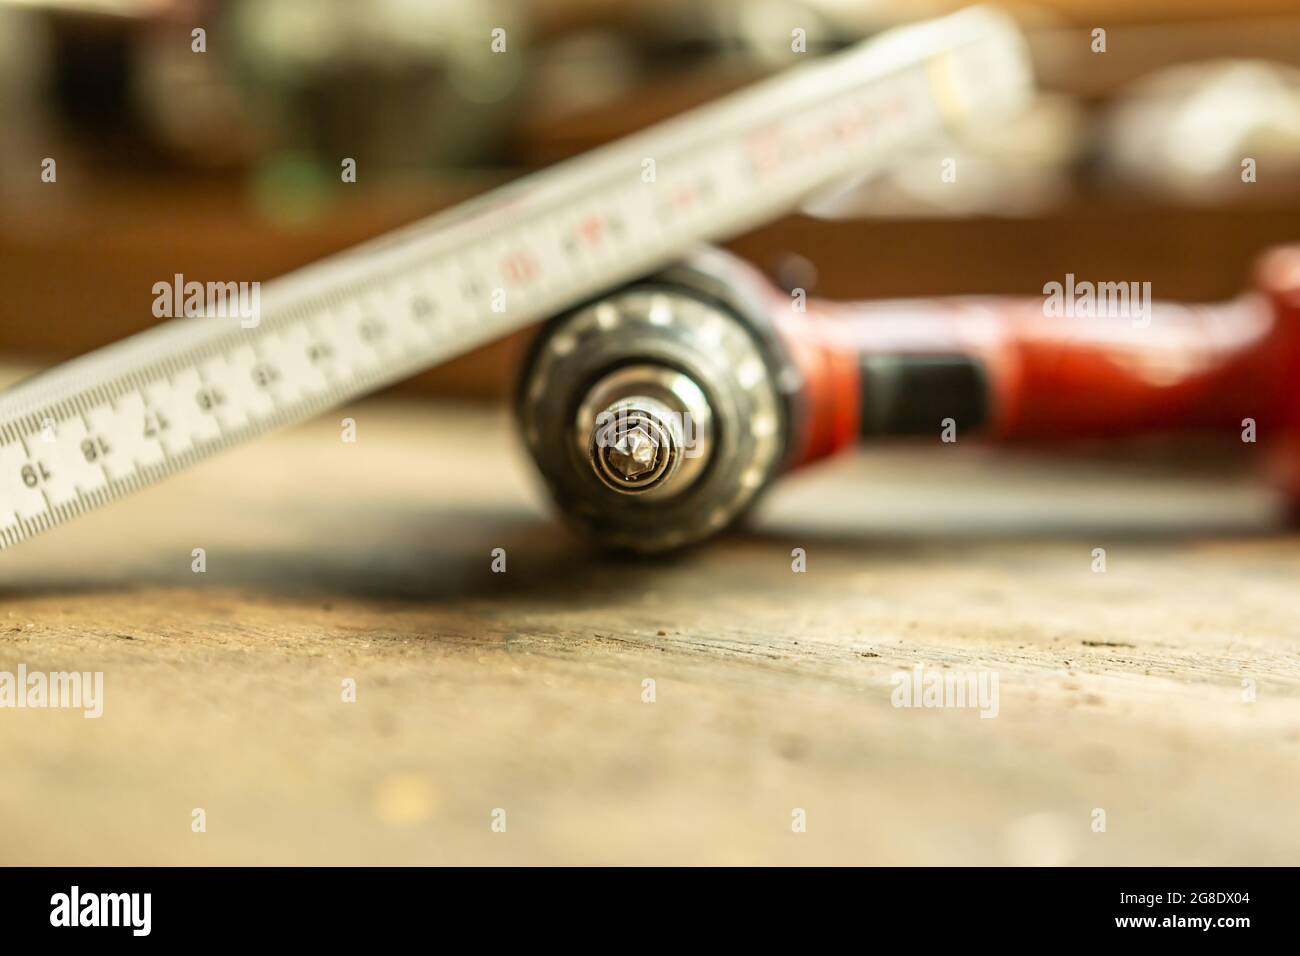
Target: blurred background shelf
(224, 165)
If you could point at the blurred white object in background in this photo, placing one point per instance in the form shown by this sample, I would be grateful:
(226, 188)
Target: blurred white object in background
(1185, 131)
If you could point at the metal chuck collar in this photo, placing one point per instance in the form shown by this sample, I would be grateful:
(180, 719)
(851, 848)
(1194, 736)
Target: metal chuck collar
(652, 415)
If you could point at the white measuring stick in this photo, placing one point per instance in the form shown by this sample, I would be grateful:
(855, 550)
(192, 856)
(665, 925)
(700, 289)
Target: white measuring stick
(129, 414)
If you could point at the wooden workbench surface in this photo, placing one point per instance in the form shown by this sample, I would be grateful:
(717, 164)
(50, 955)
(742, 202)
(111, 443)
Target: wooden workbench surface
(523, 691)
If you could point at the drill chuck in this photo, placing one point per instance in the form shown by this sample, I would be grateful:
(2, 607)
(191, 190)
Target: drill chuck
(654, 414)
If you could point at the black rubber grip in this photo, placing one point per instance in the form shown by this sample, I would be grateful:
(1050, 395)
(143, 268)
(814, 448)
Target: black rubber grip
(914, 394)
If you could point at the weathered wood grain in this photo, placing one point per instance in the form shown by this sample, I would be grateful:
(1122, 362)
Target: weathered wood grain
(523, 691)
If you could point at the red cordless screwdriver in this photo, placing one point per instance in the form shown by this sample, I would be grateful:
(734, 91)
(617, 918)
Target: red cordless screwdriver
(657, 413)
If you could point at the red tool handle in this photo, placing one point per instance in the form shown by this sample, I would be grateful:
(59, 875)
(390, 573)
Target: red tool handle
(1043, 369)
